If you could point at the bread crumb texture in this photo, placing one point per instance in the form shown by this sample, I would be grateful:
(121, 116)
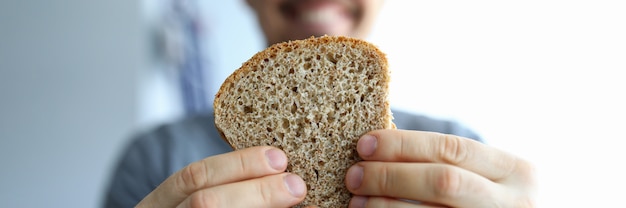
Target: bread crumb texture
(313, 99)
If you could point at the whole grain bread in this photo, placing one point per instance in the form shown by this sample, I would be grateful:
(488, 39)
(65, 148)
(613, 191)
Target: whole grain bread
(313, 99)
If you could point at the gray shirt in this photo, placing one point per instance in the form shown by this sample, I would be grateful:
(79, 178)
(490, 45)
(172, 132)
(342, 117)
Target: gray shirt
(154, 155)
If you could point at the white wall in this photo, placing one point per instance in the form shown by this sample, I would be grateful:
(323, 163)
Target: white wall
(68, 84)
(543, 79)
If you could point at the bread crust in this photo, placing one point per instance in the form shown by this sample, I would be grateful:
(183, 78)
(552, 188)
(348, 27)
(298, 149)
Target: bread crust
(308, 115)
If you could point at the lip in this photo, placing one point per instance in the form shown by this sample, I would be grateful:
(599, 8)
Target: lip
(319, 17)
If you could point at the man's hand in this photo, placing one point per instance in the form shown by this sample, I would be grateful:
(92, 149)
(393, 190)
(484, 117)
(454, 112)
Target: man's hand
(425, 169)
(252, 177)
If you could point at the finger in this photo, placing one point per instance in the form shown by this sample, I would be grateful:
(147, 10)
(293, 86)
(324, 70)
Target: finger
(426, 182)
(281, 190)
(217, 170)
(419, 146)
(376, 202)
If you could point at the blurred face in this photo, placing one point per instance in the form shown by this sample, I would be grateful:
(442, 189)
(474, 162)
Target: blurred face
(283, 20)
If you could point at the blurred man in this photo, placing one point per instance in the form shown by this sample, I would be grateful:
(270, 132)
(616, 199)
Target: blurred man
(187, 164)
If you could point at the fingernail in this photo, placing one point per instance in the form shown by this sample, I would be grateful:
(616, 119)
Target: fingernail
(276, 158)
(366, 146)
(295, 185)
(354, 177)
(358, 202)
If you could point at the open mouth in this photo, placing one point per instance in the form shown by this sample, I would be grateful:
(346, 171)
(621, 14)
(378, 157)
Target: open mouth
(320, 17)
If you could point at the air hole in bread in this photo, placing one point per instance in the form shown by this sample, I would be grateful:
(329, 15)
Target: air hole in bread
(331, 58)
(247, 109)
(294, 108)
(330, 117)
(285, 123)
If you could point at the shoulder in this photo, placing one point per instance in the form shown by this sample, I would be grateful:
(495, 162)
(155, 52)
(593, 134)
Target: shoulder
(183, 141)
(154, 154)
(413, 121)
(179, 131)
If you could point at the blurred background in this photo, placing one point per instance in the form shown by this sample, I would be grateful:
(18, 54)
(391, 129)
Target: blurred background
(540, 79)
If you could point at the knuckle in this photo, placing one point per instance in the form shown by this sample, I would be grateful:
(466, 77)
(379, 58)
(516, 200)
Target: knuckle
(242, 164)
(385, 183)
(525, 202)
(203, 199)
(526, 171)
(381, 202)
(386, 202)
(264, 193)
(447, 183)
(453, 149)
(193, 177)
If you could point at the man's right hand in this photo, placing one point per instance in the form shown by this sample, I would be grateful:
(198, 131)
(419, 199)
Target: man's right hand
(253, 177)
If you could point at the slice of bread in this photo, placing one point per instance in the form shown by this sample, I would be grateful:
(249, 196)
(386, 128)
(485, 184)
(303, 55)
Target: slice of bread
(313, 99)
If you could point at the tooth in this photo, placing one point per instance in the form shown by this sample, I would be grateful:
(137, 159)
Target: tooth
(318, 16)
